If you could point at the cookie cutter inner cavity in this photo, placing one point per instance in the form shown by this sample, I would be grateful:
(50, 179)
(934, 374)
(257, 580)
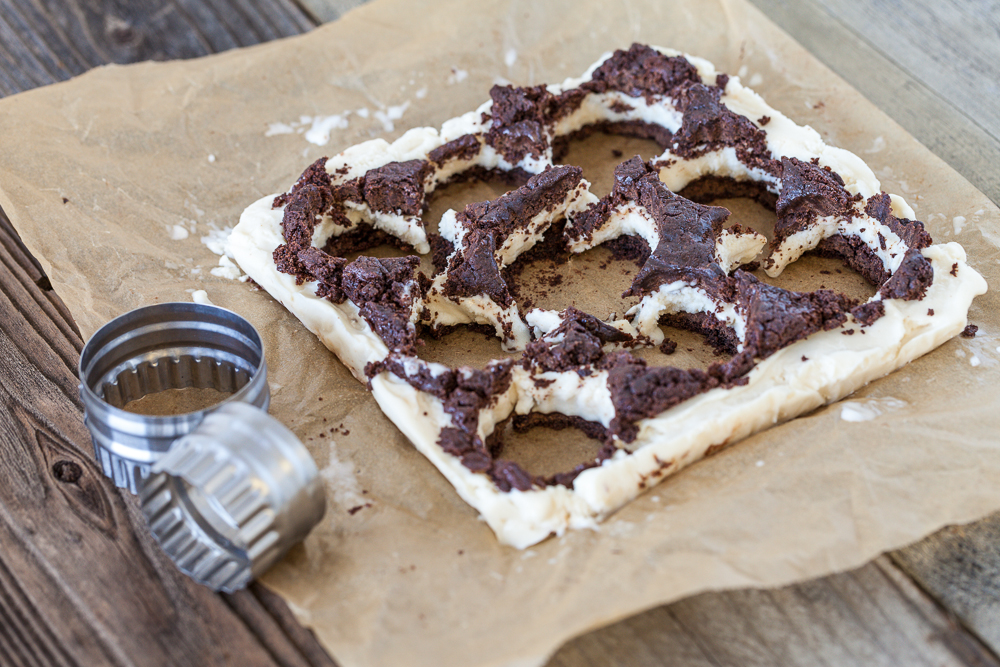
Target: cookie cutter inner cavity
(153, 349)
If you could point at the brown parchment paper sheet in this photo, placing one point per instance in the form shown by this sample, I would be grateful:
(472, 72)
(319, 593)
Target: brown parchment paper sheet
(413, 577)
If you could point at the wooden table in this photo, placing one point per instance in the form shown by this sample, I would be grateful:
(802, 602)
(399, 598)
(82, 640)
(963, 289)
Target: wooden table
(81, 582)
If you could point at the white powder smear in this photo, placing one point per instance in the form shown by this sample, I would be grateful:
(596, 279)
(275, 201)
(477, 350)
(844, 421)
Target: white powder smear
(201, 296)
(274, 129)
(227, 268)
(211, 157)
(319, 133)
(958, 221)
(862, 411)
(974, 361)
(457, 76)
(316, 129)
(390, 114)
(216, 239)
(340, 480)
(178, 233)
(877, 146)
(510, 57)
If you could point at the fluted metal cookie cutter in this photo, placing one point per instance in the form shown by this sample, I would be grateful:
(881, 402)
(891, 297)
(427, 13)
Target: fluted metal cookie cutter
(231, 497)
(227, 490)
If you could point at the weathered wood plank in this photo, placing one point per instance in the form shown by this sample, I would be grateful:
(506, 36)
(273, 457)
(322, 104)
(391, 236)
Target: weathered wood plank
(871, 616)
(45, 41)
(81, 581)
(960, 566)
(929, 114)
(951, 46)
(836, 620)
(325, 11)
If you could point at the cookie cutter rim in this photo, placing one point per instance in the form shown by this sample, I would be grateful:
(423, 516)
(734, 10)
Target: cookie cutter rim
(232, 497)
(227, 489)
(154, 348)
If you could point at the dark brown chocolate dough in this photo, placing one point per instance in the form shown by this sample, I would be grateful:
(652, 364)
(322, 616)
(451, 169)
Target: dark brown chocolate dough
(518, 123)
(808, 192)
(639, 391)
(466, 147)
(778, 317)
(911, 279)
(581, 337)
(706, 189)
(912, 232)
(473, 270)
(315, 174)
(709, 125)
(867, 313)
(857, 255)
(642, 72)
(397, 187)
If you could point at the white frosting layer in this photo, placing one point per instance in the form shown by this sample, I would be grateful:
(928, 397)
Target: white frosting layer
(822, 368)
(779, 388)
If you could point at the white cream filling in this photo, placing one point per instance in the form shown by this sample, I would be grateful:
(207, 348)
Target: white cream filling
(859, 226)
(722, 162)
(544, 322)
(629, 218)
(477, 309)
(565, 392)
(597, 107)
(407, 228)
(733, 250)
(680, 297)
(779, 388)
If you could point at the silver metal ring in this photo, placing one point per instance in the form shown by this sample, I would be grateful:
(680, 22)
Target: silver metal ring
(226, 490)
(149, 350)
(232, 497)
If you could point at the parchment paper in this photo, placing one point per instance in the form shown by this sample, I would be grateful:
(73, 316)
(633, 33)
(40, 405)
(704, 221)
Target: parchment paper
(101, 173)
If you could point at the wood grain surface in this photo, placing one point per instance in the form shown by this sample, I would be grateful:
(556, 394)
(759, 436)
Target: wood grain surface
(44, 41)
(81, 583)
(933, 67)
(81, 580)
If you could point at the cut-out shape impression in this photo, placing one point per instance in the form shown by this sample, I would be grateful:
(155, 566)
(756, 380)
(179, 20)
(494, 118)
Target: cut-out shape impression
(789, 351)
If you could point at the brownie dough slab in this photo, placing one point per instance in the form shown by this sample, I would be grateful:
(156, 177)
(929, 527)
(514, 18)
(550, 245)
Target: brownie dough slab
(796, 378)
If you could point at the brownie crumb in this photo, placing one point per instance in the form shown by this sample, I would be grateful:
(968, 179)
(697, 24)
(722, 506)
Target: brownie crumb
(763, 120)
(668, 346)
(867, 313)
(930, 312)
(954, 269)
(969, 331)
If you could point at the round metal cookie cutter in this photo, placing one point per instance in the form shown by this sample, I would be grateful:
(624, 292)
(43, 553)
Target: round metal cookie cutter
(150, 350)
(227, 490)
(230, 498)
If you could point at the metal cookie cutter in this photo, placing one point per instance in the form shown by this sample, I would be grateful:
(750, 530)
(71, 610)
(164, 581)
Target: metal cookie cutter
(227, 490)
